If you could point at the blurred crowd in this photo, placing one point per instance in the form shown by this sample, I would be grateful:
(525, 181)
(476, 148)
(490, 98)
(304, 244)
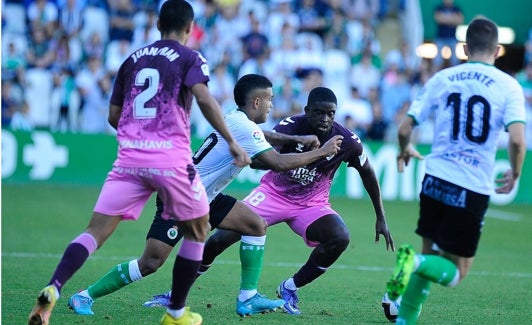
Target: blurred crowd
(59, 58)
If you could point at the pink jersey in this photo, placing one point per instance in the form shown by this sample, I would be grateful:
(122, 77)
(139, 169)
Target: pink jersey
(153, 86)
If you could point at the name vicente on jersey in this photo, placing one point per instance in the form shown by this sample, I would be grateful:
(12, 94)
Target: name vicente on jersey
(472, 75)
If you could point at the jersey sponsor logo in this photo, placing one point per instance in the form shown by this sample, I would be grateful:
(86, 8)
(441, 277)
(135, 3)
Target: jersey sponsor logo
(300, 147)
(145, 144)
(286, 121)
(462, 157)
(303, 175)
(447, 193)
(166, 52)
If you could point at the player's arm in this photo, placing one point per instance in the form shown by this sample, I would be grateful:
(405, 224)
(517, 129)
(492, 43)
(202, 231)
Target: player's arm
(280, 139)
(114, 115)
(273, 160)
(406, 149)
(371, 184)
(213, 113)
(516, 153)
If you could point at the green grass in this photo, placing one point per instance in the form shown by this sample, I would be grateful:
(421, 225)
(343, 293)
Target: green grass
(38, 221)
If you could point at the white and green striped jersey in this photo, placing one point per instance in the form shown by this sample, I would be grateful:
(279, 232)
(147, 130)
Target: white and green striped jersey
(471, 104)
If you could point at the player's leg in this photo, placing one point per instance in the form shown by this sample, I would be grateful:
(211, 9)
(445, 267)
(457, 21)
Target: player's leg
(329, 236)
(185, 201)
(106, 216)
(252, 228)
(74, 256)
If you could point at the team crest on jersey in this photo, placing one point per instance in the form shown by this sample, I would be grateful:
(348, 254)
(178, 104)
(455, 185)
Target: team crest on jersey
(172, 233)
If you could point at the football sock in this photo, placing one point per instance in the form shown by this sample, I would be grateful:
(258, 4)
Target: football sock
(308, 273)
(438, 269)
(202, 269)
(415, 295)
(73, 258)
(251, 258)
(186, 266)
(118, 277)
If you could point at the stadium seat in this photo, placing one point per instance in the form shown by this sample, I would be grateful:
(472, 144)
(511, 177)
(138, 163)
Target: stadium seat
(15, 19)
(95, 20)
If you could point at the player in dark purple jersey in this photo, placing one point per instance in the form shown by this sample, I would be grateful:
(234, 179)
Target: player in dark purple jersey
(300, 197)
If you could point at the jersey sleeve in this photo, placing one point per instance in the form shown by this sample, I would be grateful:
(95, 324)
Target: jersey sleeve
(422, 104)
(251, 138)
(198, 71)
(356, 156)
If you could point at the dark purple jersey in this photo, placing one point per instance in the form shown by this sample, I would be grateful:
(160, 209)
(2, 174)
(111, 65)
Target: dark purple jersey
(311, 184)
(153, 86)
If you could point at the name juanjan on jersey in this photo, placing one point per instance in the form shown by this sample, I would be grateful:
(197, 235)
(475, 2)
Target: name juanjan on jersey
(167, 52)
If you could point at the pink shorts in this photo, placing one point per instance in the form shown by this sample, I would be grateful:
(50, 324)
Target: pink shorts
(275, 209)
(127, 189)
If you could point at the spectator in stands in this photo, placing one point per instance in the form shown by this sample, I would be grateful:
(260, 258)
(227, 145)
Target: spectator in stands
(447, 17)
(365, 76)
(40, 53)
(65, 103)
(21, 119)
(377, 128)
(282, 22)
(13, 62)
(94, 47)
(355, 113)
(312, 15)
(12, 99)
(395, 92)
(71, 17)
(43, 14)
(121, 14)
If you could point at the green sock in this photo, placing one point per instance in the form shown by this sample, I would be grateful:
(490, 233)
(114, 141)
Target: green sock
(251, 257)
(437, 269)
(415, 295)
(115, 279)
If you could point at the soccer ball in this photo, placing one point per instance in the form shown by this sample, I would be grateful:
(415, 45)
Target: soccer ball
(390, 307)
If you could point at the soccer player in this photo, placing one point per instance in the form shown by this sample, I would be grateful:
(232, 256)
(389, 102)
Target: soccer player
(150, 109)
(253, 95)
(300, 197)
(471, 104)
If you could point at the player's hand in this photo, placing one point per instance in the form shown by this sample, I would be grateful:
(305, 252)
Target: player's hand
(241, 156)
(310, 141)
(332, 146)
(403, 158)
(506, 182)
(382, 229)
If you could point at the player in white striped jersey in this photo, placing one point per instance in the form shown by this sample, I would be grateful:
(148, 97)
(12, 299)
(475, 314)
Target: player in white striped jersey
(472, 104)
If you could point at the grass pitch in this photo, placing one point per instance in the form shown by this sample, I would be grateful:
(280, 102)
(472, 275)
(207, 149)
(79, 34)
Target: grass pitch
(38, 221)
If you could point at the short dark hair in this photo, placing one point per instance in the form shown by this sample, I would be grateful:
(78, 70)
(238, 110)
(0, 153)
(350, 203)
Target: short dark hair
(175, 15)
(248, 83)
(321, 94)
(482, 36)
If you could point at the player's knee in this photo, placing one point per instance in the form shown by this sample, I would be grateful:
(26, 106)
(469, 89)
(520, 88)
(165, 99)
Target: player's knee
(258, 229)
(340, 242)
(150, 265)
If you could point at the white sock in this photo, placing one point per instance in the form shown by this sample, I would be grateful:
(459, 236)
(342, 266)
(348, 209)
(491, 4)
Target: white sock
(176, 313)
(246, 294)
(289, 284)
(85, 293)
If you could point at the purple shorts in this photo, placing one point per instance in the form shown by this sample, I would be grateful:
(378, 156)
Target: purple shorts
(127, 189)
(275, 209)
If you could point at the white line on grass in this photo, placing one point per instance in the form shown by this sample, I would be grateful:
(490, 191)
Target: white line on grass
(503, 215)
(279, 265)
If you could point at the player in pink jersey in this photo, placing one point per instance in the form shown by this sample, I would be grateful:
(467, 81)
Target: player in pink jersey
(150, 108)
(300, 197)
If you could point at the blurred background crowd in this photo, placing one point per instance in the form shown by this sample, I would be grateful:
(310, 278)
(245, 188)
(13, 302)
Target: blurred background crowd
(59, 57)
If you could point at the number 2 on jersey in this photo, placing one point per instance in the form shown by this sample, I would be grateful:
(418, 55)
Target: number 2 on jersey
(482, 120)
(151, 76)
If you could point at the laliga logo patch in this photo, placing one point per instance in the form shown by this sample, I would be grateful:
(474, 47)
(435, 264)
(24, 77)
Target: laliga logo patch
(172, 233)
(257, 137)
